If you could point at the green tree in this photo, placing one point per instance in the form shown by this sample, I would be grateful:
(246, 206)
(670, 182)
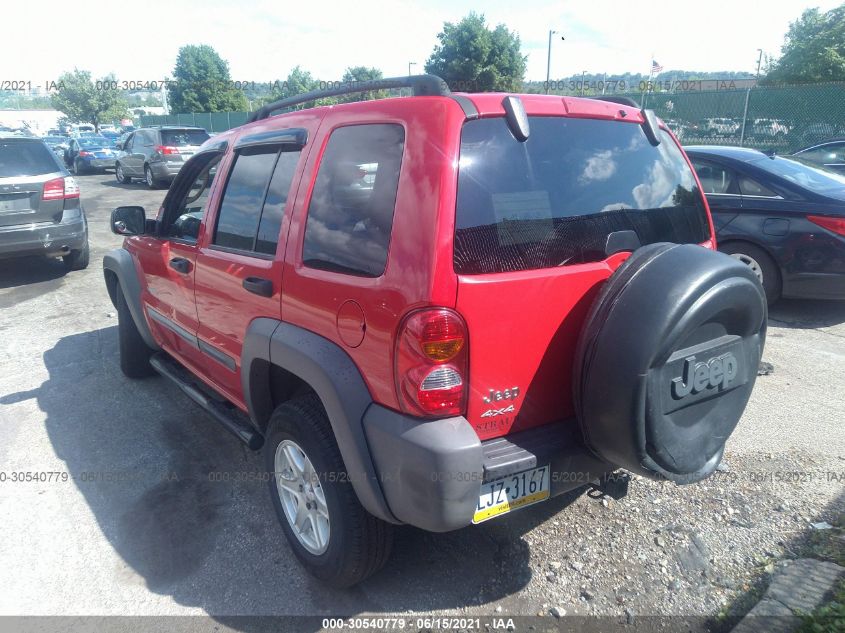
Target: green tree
(356, 74)
(298, 82)
(201, 83)
(85, 101)
(472, 58)
(814, 49)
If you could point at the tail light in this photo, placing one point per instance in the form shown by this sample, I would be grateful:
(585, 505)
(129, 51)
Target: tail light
(83, 153)
(834, 225)
(60, 189)
(431, 363)
(166, 149)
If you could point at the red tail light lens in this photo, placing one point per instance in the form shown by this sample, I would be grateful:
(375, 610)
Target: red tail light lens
(166, 149)
(431, 363)
(60, 189)
(83, 153)
(834, 225)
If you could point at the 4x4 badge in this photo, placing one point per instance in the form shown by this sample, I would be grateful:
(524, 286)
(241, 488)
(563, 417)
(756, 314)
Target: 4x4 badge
(717, 372)
(490, 413)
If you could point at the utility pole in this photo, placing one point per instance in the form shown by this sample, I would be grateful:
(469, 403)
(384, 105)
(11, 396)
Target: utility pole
(581, 91)
(549, 60)
(409, 67)
(748, 96)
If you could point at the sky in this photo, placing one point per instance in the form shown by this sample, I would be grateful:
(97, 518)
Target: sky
(264, 39)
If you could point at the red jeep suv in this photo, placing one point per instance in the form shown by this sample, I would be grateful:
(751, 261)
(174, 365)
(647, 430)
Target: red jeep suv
(436, 309)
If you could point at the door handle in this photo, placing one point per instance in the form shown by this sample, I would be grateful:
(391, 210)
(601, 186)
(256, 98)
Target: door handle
(259, 286)
(180, 265)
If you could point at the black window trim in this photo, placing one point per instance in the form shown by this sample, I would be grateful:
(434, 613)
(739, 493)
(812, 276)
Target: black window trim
(161, 226)
(281, 146)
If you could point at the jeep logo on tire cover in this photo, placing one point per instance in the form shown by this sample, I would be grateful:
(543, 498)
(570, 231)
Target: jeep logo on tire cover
(718, 373)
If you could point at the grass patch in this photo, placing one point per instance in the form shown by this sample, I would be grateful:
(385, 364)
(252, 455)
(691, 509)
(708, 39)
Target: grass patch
(830, 617)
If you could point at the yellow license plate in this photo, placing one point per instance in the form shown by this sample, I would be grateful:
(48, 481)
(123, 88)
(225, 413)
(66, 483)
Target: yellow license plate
(519, 490)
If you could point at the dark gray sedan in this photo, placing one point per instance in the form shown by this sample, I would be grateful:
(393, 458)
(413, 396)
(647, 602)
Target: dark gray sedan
(40, 209)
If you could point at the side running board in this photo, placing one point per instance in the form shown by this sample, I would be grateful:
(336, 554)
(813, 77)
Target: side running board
(223, 412)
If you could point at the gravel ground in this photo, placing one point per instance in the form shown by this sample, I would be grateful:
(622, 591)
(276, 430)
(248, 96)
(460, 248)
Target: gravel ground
(161, 538)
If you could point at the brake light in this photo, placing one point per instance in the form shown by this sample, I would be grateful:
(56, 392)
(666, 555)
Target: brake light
(60, 189)
(166, 149)
(83, 153)
(834, 225)
(431, 363)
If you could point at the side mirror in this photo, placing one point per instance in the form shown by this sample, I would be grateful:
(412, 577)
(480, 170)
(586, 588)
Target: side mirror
(128, 221)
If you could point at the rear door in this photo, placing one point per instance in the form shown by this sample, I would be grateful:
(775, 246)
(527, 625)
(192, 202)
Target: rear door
(239, 267)
(25, 166)
(532, 225)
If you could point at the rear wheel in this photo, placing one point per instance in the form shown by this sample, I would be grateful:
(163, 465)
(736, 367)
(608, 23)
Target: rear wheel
(330, 533)
(78, 259)
(152, 181)
(134, 352)
(760, 263)
(121, 176)
(78, 169)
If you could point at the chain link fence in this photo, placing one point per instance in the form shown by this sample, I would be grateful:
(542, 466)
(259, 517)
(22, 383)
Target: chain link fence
(779, 118)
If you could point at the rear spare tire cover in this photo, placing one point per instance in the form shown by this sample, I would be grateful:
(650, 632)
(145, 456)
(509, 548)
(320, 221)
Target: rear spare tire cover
(667, 360)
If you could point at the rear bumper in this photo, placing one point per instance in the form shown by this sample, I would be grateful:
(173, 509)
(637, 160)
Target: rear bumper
(44, 238)
(166, 170)
(100, 163)
(431, 471)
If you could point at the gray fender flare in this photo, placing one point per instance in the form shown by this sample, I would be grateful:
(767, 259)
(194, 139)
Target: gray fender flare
(334, 377)
(119, 262)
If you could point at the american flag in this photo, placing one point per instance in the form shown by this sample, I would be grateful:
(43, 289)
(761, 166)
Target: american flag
(655, 67)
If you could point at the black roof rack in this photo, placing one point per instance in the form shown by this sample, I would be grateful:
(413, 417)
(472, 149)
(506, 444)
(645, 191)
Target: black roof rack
(628, 101)
(422, 85)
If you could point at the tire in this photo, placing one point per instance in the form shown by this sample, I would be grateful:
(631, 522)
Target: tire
(134, 352)
(77, 170)
(761, 264)
(353, 544)
(121, 176)
(151, 181)
(78, 259)
(667, 360)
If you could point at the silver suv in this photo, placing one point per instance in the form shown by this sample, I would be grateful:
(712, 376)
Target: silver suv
(40, 211)
(156, 154)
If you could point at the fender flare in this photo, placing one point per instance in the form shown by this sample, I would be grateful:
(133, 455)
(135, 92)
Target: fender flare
(336, 380)
(119, 262)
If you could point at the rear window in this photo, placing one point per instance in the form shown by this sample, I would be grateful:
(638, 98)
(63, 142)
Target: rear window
(555, 198)
(27, 158)
(181, 138)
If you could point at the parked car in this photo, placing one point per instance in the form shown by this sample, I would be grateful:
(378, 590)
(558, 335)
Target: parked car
(769, 129)
(89, 153)
(782, 216)
(524, 300)
(829, 154)
(111, 136)
(157, 154)
(40, 209)
(57, 144)
(718, 127)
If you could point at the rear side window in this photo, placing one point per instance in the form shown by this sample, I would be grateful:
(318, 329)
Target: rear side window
(351, 212)
(26, 158)
(554, 199)
(253, 203)
(182, 138)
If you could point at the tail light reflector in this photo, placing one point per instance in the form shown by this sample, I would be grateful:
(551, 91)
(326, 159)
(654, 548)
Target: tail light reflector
(431, 363)
(60, 189)
(834, 225)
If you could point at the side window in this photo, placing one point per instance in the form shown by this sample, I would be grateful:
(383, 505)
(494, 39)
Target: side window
(250, 215)
(825, 155)
(351, 211)
(750, 187)
(715, 178)
(188, 215)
